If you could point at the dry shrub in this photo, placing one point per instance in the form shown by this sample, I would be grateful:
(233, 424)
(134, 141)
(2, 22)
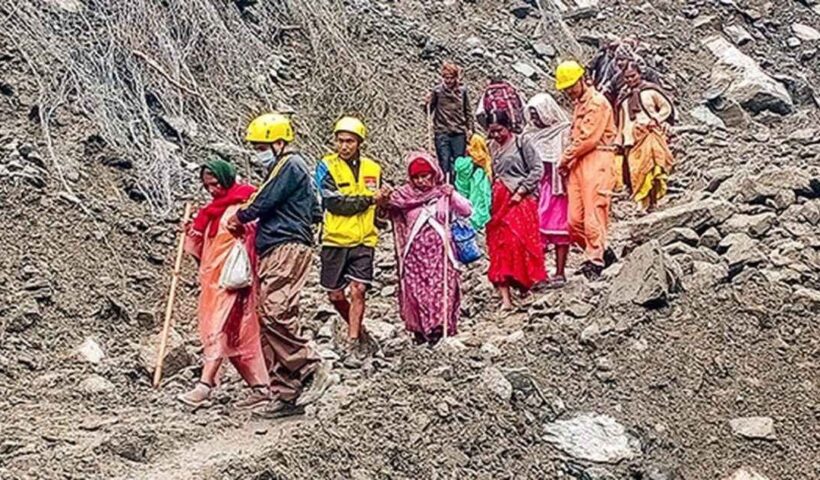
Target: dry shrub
(162, 79)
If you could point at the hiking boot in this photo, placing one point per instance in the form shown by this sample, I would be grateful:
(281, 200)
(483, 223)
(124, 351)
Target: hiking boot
(197, 396)
(316, 385)
(259, 395)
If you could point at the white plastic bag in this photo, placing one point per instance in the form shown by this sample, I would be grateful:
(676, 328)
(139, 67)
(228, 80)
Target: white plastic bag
(236, 273)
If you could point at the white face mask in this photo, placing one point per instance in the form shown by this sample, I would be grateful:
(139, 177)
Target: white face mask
(266, 158)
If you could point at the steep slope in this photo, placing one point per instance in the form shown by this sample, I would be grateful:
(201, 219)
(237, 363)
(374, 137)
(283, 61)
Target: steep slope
(93, 218)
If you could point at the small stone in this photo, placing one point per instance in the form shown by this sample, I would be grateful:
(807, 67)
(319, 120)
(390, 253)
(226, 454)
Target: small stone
(381, 331)
(740, 251)
(496, 384)
(753, 427)
(521, 10)
(746, 473)
(473, 42)
(593, 437)
(808, 297)
(90, 351)
(737, 34)
(710, 238)
(95, 384)
(514, 337)
(793, 42)
(578, 309)
(544, 49)
(679, 234)
(754, 225)
(389, 291)
(706, 275)
(805, 32)
(27, 315)
(526, 70)
(490, 350)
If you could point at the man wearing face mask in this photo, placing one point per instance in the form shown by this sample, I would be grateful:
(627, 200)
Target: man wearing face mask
(286, 207)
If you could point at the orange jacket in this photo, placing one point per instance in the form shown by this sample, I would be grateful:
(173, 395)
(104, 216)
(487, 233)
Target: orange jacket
(593, 126)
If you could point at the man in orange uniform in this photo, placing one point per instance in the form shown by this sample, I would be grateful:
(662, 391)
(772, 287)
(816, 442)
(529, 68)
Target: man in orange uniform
(587, 162)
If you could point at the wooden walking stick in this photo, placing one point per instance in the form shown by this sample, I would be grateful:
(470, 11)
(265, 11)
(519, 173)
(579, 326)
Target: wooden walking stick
(446, 304)
(169, 307)
(430, 137)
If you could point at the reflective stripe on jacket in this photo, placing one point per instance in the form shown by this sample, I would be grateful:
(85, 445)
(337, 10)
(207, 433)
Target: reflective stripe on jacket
(349, 210)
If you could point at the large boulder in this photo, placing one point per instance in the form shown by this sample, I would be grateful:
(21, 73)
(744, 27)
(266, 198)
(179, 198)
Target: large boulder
(738, 77)
(648, 277)
(740, 251)
(776, 185)
(698, 215)
(177, 355)
(754, 225)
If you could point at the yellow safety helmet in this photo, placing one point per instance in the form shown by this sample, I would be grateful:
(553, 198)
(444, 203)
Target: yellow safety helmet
(269, 128)
(351, 125)
(568, 74)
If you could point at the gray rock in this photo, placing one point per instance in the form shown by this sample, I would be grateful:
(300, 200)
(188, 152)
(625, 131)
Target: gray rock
(595, 330)
(679, 234)
(710, 238)
(740, 78)
(746, 473)
(753, 427)
(579, 309)
(805, 32)
(380, 330)
(706, 275)
(593, 437)
(526, 70)
(793, 42)
(544, 49)
(495, 383)
(72, 6)
(704, 115)
(754, 225)
(698, 215)
(490, 350)
(704, 254)
(90, 352)
(647, 278)
(473, 42)
(177, 356)
(808, 297)
(776, 185)
(95, 384)
(740, 251)
(521, 10)
(737, 34)
(388, 291)
(26, 316)
(805, 136)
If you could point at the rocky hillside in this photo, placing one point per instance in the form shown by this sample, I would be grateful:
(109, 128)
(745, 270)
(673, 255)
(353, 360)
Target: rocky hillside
(696, 357)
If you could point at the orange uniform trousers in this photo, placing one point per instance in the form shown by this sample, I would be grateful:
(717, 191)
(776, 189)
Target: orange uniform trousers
(589, 191)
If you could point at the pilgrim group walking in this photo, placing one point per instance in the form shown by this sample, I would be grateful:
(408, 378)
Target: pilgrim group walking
(541, 180)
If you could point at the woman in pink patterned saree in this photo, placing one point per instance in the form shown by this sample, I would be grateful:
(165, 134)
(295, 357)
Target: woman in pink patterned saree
(419, 211)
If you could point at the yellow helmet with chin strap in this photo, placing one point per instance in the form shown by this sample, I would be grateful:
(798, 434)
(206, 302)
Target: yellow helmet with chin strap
(269, 128)
(351, 125)
(568, 74)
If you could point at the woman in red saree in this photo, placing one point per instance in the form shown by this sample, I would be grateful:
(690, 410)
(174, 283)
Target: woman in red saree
(513, 239)
(228, 322)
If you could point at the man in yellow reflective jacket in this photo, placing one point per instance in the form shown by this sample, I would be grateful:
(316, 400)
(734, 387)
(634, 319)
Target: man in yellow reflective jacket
(349, 184)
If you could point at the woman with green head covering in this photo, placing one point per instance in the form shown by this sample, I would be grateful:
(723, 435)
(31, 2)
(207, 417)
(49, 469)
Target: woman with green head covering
(227, 319)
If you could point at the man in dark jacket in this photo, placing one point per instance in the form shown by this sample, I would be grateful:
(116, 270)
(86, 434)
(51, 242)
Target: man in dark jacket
(286, 206)
(452, 117)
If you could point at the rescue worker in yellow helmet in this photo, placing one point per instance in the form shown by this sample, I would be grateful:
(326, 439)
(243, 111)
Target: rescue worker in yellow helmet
(285, 208)
(587, 162)
(349, 184)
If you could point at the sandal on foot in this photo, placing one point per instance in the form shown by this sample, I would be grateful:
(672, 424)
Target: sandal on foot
(557, 282)
(197, 396)
(259, 395)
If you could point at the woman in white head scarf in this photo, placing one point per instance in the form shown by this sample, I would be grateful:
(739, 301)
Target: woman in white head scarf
(547, 132)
